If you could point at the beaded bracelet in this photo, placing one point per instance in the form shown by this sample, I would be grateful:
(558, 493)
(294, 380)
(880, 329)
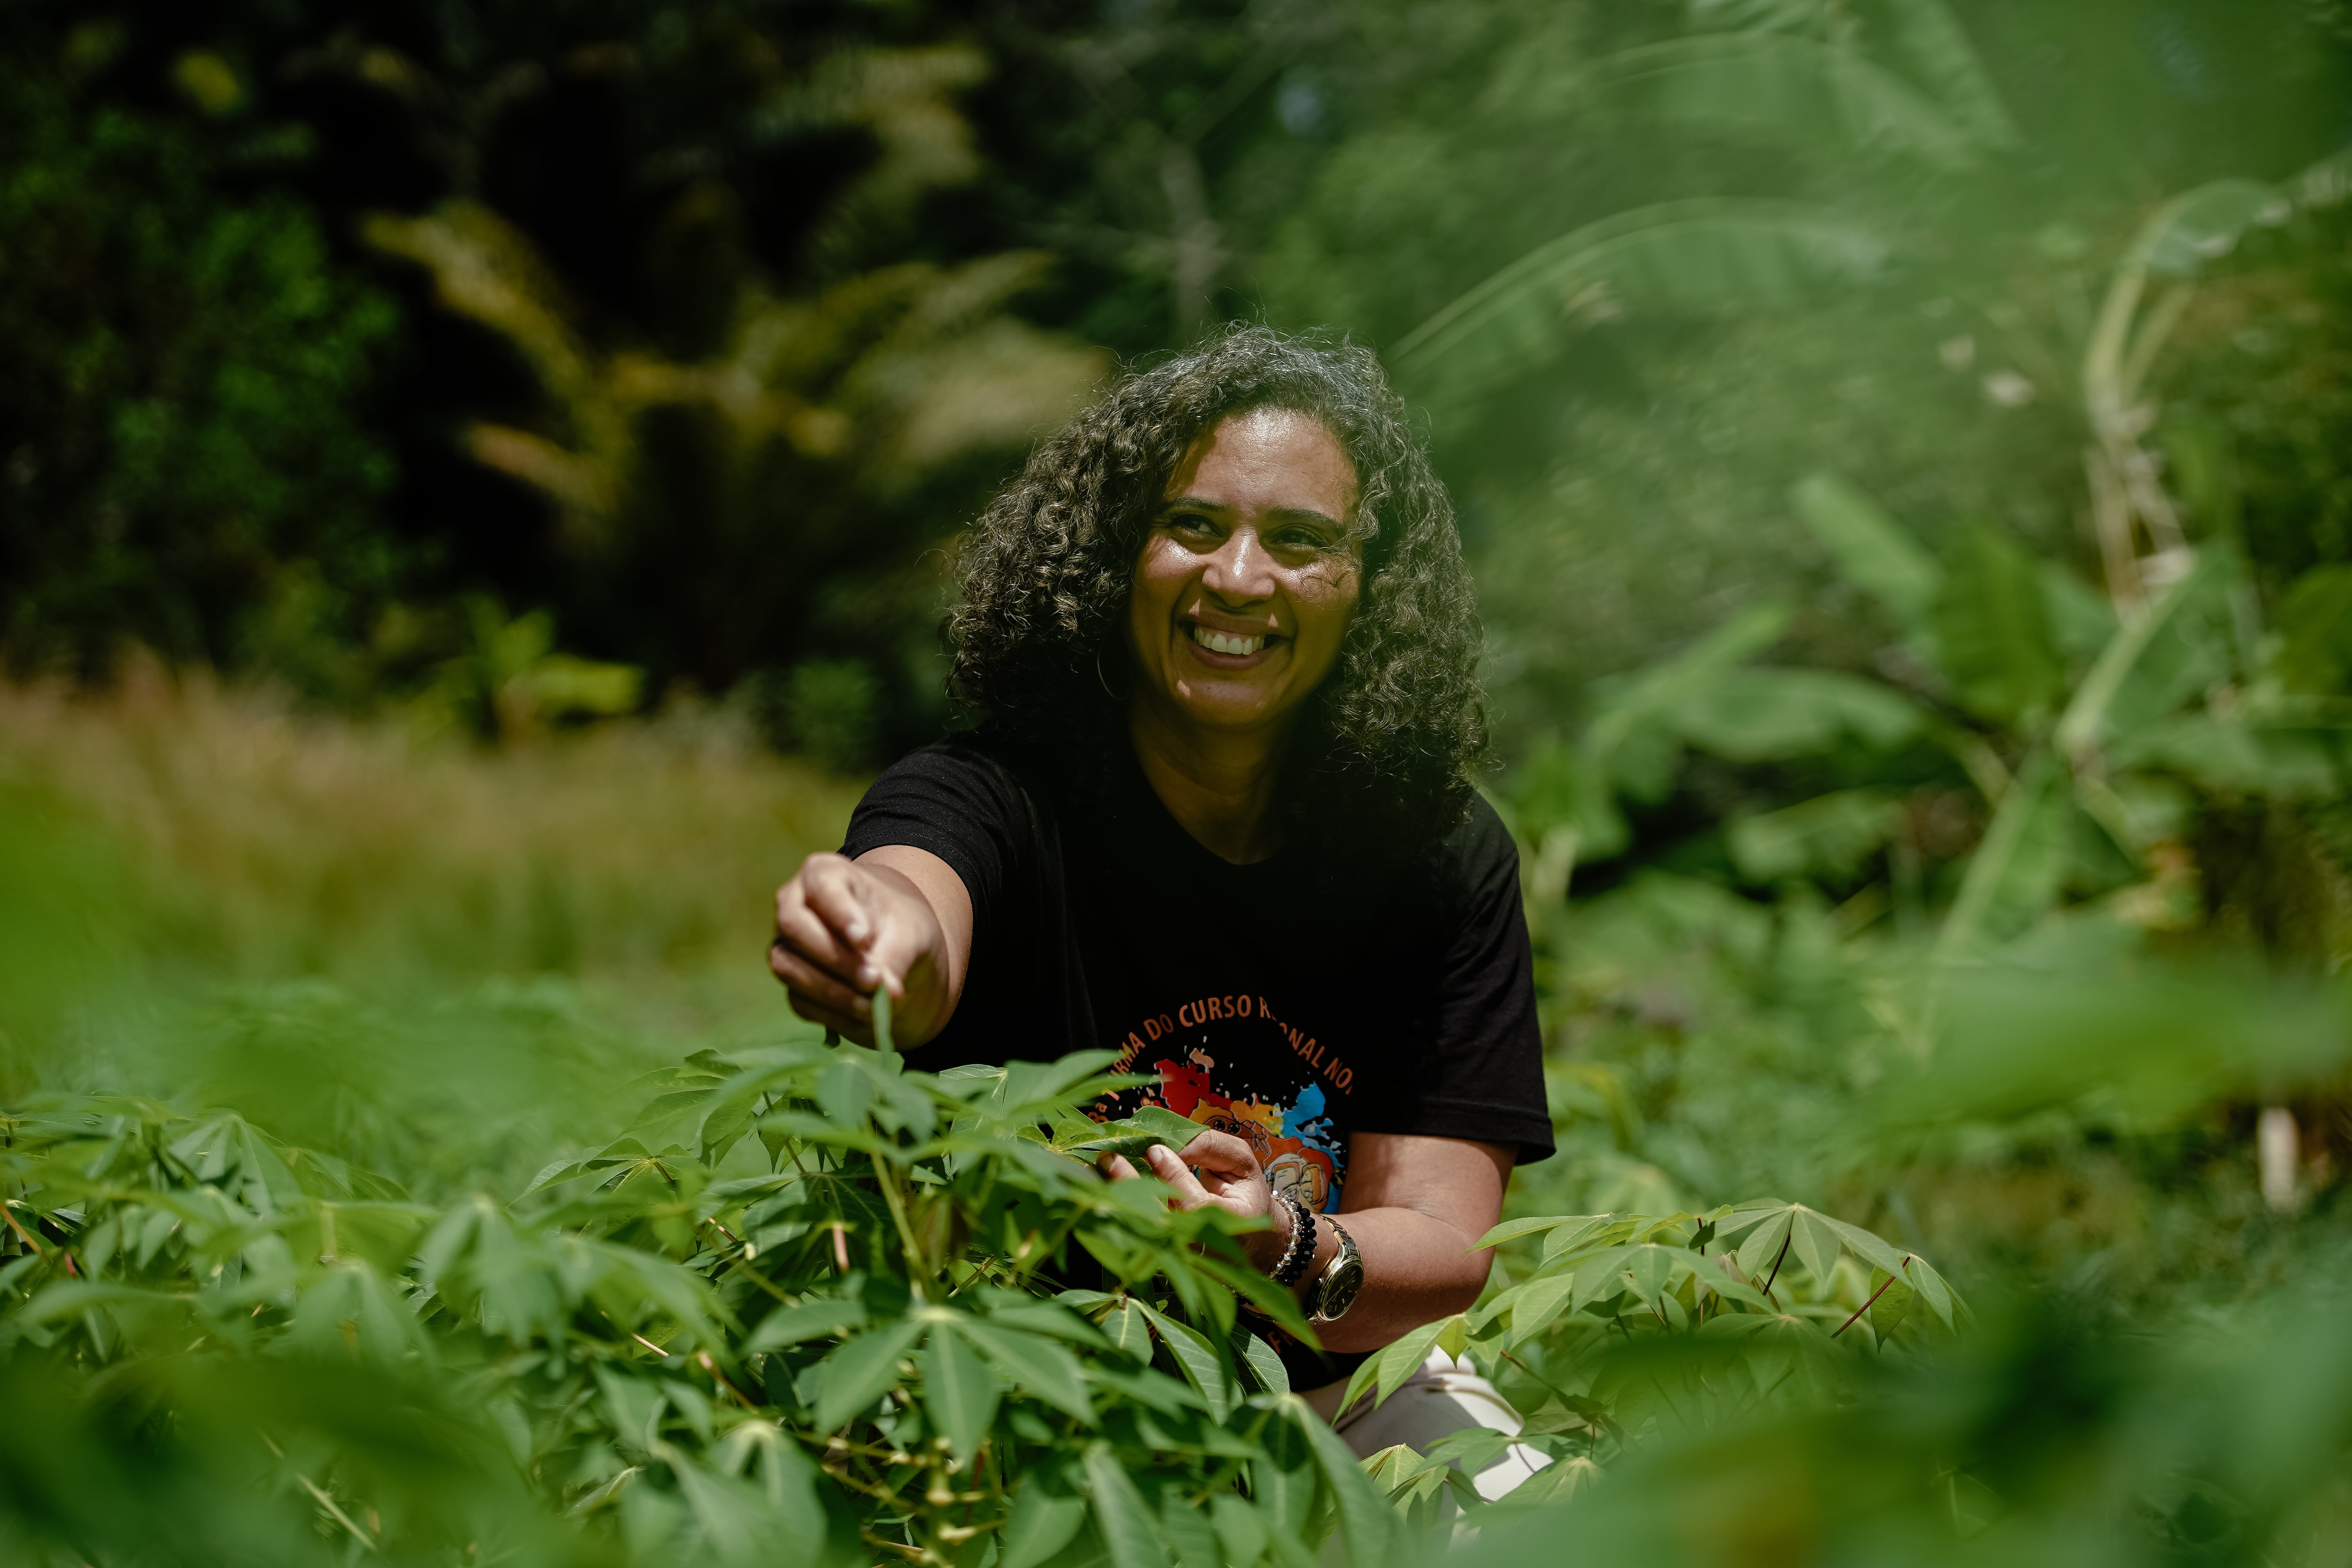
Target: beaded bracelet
(1301, 1250)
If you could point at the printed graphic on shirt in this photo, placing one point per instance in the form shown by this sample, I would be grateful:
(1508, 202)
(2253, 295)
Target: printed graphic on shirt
(1228, 1063)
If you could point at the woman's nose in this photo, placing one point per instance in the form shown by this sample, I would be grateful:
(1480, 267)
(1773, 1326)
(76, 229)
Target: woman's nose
(1241, 568)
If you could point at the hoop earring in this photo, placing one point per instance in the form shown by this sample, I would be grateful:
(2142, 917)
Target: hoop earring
(1101, 678)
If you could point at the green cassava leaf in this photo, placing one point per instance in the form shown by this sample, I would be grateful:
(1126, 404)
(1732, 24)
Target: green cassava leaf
(859, 1372)
(1815, 1242)
(959, 1391)
(1127, 1528)
(1042, 1522)
(1038, 1365)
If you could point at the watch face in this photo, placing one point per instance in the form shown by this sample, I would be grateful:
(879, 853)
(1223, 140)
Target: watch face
(1340, 1294)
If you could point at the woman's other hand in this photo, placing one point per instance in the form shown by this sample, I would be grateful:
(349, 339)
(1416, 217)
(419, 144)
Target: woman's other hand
(847, 928)
(1229, 1178)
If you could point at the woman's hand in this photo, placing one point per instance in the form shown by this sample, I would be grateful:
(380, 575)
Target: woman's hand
(846, 928)
(1229, 1179)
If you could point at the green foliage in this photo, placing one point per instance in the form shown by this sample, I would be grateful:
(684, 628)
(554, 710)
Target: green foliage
(847, 1341)
(184, 370)
(1625, 1327)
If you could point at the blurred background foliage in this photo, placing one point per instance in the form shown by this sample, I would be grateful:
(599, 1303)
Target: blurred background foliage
(473, 480)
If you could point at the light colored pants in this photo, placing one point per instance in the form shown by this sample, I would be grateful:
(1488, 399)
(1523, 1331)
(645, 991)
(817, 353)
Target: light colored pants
(1443, 1397)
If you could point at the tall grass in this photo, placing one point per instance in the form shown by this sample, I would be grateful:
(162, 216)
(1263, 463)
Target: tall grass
(427, 955)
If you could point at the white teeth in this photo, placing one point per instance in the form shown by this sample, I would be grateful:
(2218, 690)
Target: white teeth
(1225, 642)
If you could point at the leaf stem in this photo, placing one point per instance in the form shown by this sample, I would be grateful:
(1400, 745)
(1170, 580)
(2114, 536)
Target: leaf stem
(1866, 1306)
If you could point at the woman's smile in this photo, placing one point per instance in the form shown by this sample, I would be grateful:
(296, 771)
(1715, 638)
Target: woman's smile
(1224, 649)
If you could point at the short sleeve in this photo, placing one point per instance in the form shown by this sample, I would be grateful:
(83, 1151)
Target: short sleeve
(1483, 1077)
(956, 801)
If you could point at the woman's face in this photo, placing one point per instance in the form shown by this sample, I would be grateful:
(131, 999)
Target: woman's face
(1249, 578)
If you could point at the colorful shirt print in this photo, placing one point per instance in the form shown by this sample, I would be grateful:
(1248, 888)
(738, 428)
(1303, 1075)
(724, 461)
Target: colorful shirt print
(1229, 1064)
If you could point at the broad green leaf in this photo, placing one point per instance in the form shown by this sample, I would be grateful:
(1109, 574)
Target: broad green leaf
(1390, 1370)
(1869, 1248)
(1556, 1482)
(2203, 225)
(1599, 1228)
(1711, 1277)
(1761, 715)
(1815, 1243)
(1196, 1357)
(1929, 40)
(2013, 874)
(1512, 1229)
(633, 1406)
(1038, 1365)
(820, 1318)
(1366, 1520)
(959, 1391)
(1186, 1527)
(1282, 1478)
(1871, 549)
(1130, 1330)
(1648, 1268)
(845, 1093)
(2315, 625)
(1600, 1277)
(1041, 1524)
(1931, 1288)
(1539, 1303)
(1829, 835)
(1992, 629)
(1893, 1305)
(1240, 1530)
(1763, 1245)
(1810, 92)
(858, 1373)
(1126, 1524)
(1047, 1318)
(2178, 645)
(1688, 256)
(1263, 1365)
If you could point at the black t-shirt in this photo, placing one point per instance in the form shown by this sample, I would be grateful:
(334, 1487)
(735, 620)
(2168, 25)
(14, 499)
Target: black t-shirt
(1291, 1001)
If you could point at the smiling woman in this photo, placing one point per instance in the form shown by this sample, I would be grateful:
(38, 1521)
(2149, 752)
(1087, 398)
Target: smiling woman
(1218, 818)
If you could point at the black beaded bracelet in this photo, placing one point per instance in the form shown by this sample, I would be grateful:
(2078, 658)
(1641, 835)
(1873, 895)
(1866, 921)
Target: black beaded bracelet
(1301, 1250)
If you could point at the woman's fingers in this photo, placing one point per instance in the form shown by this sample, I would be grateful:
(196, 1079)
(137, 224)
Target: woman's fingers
(1222, 1154)
(841, 897)
(806, 931)
(1169, 1168)
(808, 984)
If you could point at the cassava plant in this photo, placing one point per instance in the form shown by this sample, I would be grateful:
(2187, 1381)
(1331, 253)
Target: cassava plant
(806, 1308)
(799, 1311)
(1618, 1327)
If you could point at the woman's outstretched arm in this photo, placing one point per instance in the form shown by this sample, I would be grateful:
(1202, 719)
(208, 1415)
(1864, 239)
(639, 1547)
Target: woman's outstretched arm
(896, 918)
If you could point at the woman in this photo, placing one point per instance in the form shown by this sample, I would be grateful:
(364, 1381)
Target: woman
(1219, 818)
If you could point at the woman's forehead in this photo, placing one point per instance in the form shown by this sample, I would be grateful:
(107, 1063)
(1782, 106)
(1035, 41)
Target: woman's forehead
(1268, 460)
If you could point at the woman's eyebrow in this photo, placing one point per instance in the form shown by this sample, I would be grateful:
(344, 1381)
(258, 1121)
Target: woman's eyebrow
(1278, 514)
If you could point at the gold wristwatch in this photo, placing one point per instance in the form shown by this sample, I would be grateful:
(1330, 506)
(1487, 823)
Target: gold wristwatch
(1334, 1290)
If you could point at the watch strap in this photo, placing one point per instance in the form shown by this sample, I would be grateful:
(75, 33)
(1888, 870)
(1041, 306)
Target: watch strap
(1349, 1258)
